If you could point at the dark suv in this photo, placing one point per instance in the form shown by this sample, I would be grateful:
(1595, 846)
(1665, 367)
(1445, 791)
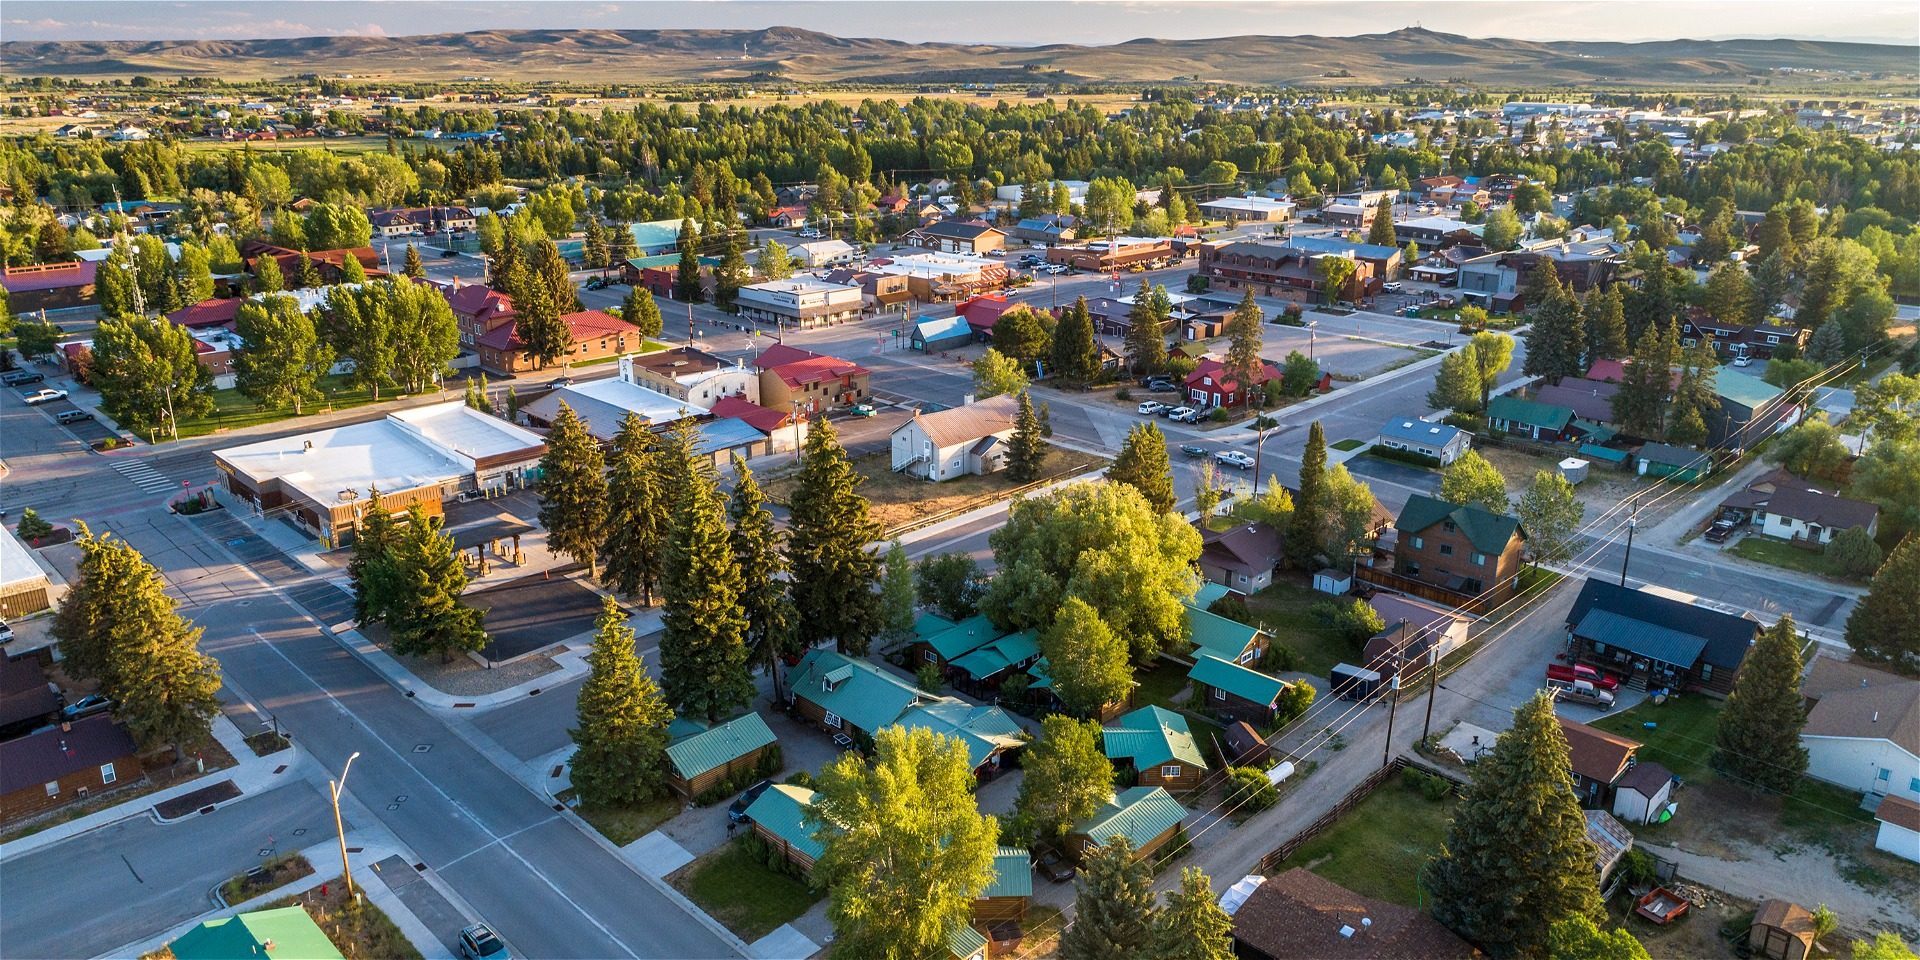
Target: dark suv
(737, 811)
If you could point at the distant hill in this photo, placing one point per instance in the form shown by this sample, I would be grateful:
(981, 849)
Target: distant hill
(804, 56)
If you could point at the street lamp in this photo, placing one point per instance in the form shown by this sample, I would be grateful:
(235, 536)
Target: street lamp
(335, 787)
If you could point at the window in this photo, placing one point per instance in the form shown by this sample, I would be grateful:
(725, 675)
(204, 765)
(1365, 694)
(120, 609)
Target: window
(53, 788)
(930, 656)
(1419, 542)
(1413, 569)
(1219, 694)
(1243, 578)
(1885, 775)
(106, 774)
(1706, 672)
(1170, 771)
(1913, 786)
(1448, 524)
(832, 719)
(1479, 559)
(1446, 549)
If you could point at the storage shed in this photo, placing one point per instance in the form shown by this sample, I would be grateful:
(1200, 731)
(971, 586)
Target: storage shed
(1781, 931)
(1574, 469)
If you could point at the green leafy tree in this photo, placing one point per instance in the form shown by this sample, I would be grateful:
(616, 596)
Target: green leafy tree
(828, 529)
(949, 583)
(640, 310)
(1729, 294)
(703, 643)
(1243, 364)
(423, 579)
(1456, 386)
(1889, 475)
(1027, 454)
(1103, 543)
(1503, 230)
(622, 719)
(757, 553)
(1551, 514)
(1885, 626)
(637, 513)
(1068, 777)
(1578, 938)
(284, 358)
(906, 849)
(1492, 355)
(1813, 449)
(686, 279)
(35, 338)
(775, 263)
(1076, 355)
(1109, 205)
(1472, 480)
(148, 375)
(1605, 314)
(1143, 464)
(1855, 552)
(573, 491)
(1889, 409)
(1192, 926)
(196, 273)
(1336, 274)
(896, 595)
(1114, 911)
(117, 625)
(1311, 504)
(1885, 945)
(1023, 334)
(426, 337)
(267, 277)
(1557, 341)
(116, 286)
(1087, 661)
(1758, 738)
(1146, 339)
(996, 373)
(1298, 374)
(365, 337)
(537, 322)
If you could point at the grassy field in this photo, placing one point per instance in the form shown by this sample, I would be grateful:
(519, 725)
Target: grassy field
(742, 892)
(1348, 444)
(1779, 553)
(1378, 848)
(233, 409)
(896, 499)
(1286, 611)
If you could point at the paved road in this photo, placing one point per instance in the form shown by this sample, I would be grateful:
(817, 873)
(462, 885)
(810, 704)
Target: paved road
(126, 882)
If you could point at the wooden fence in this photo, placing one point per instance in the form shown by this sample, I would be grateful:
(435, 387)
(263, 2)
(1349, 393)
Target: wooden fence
(1279, 854)
(1464, 601)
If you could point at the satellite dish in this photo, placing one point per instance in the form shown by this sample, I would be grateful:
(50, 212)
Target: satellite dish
(348, 496)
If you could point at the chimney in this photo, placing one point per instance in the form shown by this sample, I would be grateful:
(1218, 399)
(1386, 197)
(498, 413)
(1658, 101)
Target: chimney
(65, 727)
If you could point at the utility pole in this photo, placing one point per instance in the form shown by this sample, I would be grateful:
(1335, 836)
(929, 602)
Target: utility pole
(1393, 706)
(1633, 521)
(1433, 686)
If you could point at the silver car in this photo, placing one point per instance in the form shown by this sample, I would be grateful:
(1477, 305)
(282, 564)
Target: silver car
(1235, 459)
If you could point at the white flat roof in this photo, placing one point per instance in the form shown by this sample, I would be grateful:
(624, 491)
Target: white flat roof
(1261, 204)
(456, 427)
(932, 264)
(321, 464)
(603, 403)
(16, 561)
(799, 284)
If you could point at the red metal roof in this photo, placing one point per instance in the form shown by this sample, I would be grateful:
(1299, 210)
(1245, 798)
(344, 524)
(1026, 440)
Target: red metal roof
(763, 419)
(477, 300)
(48, 276)
(585, 325)
(1217, 369)
(207, 313)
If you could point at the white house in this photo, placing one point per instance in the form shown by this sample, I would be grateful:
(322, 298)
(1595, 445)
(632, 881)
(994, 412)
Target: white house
(1798, 513)
(1441, 441)
(801, 301)
(972, 438)
(1642, 792)
(1899, 827)
(1863, 732)
(823, 253)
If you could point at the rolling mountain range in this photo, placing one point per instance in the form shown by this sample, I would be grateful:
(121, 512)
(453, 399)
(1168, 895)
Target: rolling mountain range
(804, 56)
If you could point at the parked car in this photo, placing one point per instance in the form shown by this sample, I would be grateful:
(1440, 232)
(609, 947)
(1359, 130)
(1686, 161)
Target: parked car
(737, 810)
(44, 395)
(1161, 386)
(15, 378)
(1187, 415)
(1178, 413)
(72, 416)
(1193, 450)
(479, 942)
(1582, 673)
(6, 632)
(1150, 407)
(1055, 868)
(1392, 286)
(86, 706)
(863, 410)
(1580, 691)
(1237, 459)
(1743, 361)
(597, 283)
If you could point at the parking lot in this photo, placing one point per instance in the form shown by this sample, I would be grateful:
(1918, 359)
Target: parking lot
(64, 413)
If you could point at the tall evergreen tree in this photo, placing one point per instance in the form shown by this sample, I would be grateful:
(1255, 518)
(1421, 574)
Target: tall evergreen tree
(508, 271)
(550, 270)
(1758, 740)
(1652, 306)
(1192, 926)
(1114, 910)
(305, 275)
(537, 322)
(372, 539)
(896, 595)
(1885, 626)
(828, 530)
(703, 645)
(1310, 505)
(594, 247)
(1456, 385)
(1242, 364)
(422, 579)
(267, 276)
(1146, 339)
(756, 545)
(413, 267)
(1380, 232)
(686, 280)
(1640, 406)
(1143, 464)
(1076, 354)
(1557, 341)
(1027, 454)
(640, 310)
(729, 274)
(573, 491)
(621, 721)
(1516, 857)
(1605, 315)
(637, 516)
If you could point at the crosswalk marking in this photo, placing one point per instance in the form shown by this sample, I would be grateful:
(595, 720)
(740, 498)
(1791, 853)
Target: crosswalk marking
(143, 476)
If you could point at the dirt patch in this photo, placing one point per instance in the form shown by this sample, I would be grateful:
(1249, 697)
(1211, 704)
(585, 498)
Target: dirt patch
(463, 676)
(272, 875)
(187, 803)
(897, 500)
(1697, 935)
(1604, 487)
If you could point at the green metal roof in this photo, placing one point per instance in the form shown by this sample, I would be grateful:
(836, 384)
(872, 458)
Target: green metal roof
(965, 636)
(700, 752)
(1151, 736)
(1608, 454)
(1012, 874)
(1042, 674)
(1533, 413)
(984, 730)
(1236, 679)
(1215, 634)
(1208, 593)
(1137, 813)
(999, 655)
(1488, 532)
(1744, 389)
(861, 693)
(1672, 456)
(1598, 431)
(966, 942)
(1650, 640)
(782, 810)
(292, 932)
(927, 624)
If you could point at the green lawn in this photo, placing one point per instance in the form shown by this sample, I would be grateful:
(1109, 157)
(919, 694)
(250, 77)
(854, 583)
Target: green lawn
(1159, 685)
(233, 409)
(1348, 444)
(743, 893)
(624, 825)
(1779, 553)
(1682, 739)
(1286, 611)
(1378, 848)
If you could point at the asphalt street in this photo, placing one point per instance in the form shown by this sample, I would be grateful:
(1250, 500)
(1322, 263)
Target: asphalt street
(123, 883)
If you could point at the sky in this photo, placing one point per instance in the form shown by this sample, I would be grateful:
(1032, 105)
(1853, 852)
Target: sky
(978, 21)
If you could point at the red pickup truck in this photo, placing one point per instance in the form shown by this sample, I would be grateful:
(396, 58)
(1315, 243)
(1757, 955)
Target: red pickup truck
(1578, 671)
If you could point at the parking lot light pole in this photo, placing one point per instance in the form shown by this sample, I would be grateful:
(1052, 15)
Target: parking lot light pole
(335, 787)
